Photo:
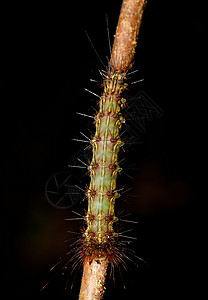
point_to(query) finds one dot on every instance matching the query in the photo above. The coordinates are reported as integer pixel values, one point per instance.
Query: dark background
(47, 62)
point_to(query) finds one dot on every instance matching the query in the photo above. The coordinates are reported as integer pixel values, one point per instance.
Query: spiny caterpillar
(99, 237)
(100, 243)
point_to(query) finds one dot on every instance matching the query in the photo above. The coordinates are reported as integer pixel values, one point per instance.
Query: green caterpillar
(99, 237)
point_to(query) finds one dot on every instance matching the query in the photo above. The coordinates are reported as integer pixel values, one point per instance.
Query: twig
(95, 267)
(126, 34)
(93, 279)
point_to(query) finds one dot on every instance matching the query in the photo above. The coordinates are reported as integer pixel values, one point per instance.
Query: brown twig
(93, 279)
(95, 268)
(127, 31)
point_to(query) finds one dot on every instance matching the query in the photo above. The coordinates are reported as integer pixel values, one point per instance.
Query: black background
(47, 62)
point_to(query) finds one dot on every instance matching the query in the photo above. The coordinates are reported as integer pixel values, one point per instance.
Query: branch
(95, 266)
(93, 279)
(126, 35)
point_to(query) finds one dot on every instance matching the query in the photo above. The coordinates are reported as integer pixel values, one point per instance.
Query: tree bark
(93, 279)
(127, 31)
(95, 268)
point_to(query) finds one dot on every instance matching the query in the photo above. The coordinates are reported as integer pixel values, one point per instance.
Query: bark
(127, 31)
(95, 269)
(93, 279)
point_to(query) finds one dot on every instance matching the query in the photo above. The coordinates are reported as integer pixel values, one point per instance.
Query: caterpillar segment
(99, 236)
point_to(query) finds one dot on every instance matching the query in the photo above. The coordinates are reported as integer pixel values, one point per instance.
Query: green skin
(104, 167)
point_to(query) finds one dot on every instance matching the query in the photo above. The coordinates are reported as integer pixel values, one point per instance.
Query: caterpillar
(99, 237)
(100, 244)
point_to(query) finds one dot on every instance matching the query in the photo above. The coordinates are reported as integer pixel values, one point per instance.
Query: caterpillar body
(100, 243)
(99, 237)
